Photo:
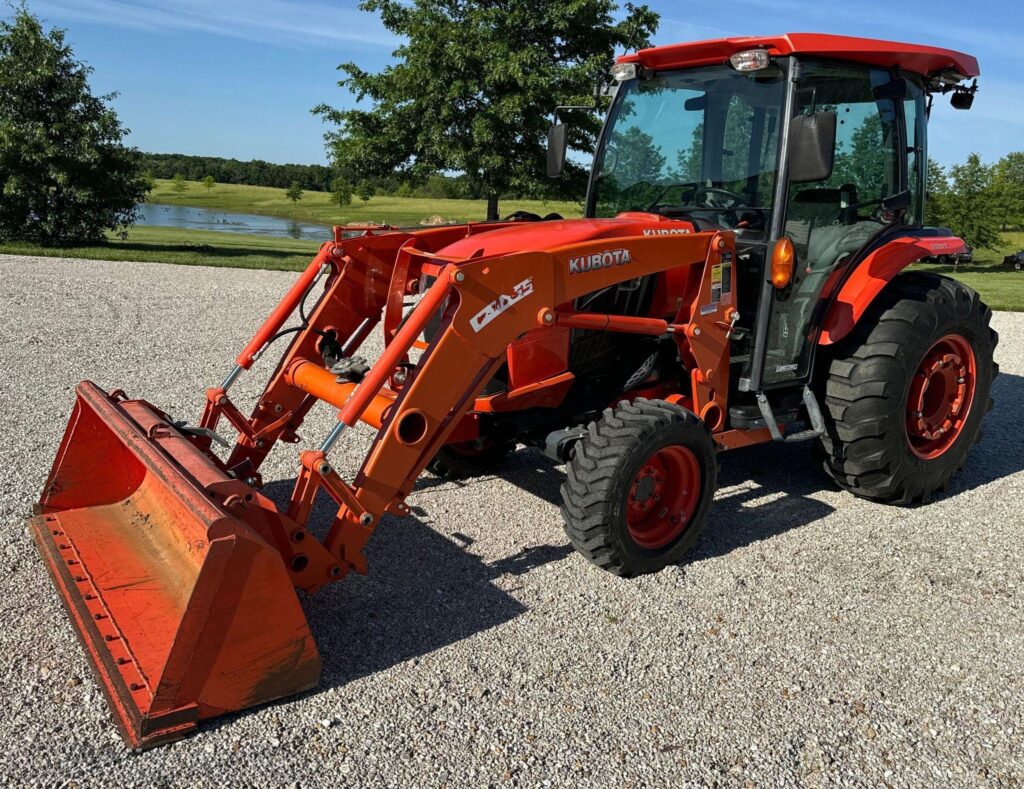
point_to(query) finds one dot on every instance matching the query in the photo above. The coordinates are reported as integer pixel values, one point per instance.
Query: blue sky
(237, 78)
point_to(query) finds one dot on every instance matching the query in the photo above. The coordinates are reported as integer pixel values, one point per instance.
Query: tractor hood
(548, 235)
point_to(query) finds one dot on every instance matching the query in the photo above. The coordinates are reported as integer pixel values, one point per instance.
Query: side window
(917, 155)
(866, 165)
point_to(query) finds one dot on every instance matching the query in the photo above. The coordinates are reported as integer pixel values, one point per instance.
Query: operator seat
(824, 226)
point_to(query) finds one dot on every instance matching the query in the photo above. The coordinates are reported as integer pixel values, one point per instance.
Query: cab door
(833, 216)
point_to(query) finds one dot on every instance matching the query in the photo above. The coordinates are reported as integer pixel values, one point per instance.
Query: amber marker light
(783, 258)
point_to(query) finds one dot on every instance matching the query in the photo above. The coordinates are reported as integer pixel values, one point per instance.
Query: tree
(638, 176)
(178, 185)
(936, 195)
(294, 192)
(972, 202)
(66, 176)
(365, 190)
(341, 191)
(473, 90)
(1008, 181)
(208, 183)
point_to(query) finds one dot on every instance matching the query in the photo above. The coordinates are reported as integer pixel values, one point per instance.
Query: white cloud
(286, 22)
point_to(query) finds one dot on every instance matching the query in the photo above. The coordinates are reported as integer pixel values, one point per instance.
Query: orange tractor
(738, 279)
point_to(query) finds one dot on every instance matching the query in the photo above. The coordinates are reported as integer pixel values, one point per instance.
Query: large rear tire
(638, 490)
(908, 388)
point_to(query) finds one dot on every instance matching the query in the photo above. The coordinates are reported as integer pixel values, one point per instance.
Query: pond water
(192, 218)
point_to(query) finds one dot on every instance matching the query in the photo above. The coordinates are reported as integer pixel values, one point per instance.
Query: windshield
(699, 142)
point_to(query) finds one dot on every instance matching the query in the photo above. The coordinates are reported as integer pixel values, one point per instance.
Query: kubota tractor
(738, 279)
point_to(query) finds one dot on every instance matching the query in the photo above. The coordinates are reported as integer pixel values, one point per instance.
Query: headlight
(623, 71)
(750, 60)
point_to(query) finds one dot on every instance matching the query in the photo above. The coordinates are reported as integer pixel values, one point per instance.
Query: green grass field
(1001, 289)
(189, 248)
(317, 206)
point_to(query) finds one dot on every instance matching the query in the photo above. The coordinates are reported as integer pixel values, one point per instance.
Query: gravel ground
(812, 639)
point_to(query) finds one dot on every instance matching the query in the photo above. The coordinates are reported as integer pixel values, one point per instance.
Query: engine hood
(549, 235)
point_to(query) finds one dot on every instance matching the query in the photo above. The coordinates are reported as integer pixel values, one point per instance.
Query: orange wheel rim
(663, 497)
(940, 397)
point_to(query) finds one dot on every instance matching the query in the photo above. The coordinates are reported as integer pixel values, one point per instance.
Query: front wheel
(908, 389)
(638, 490)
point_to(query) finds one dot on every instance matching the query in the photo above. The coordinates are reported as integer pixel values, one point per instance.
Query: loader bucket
(184, 610)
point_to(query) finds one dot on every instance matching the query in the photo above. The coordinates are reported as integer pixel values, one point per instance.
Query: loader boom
(487, 303)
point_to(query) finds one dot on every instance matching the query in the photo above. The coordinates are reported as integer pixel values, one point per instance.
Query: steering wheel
(699, 196)
(736, 200)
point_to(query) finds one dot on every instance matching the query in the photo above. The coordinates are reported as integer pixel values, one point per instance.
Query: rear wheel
(908, 389)
(638, 490)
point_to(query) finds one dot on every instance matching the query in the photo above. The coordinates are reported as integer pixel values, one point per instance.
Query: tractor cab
(811, 148)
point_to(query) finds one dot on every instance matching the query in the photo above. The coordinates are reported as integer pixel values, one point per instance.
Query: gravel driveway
(812, 638)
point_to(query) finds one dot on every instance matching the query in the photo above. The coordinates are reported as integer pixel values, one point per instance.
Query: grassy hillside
(317, 206)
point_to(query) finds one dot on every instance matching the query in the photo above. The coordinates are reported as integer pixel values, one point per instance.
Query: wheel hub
(663, 497)
(940, 396)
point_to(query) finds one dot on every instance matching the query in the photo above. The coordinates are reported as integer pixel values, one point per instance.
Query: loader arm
(486, 303)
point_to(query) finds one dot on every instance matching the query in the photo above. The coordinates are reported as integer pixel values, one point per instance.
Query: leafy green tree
(341, 191)
(365, 190)
(294, 192)
(937, 195)
(864, 164)
(313, 177)
(972, 202)
(65, 174)
(1008, 180)
(473, 90)
(178, 185)
(208, 183)
(636, 173)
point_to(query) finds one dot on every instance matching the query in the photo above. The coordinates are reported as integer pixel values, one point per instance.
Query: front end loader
(738, 279)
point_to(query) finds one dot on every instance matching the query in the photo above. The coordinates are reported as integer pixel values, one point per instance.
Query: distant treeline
(312, 177)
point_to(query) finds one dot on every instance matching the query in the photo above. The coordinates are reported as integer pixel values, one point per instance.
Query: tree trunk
(492, 207)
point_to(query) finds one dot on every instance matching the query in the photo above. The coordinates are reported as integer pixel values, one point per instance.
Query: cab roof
(914, 58)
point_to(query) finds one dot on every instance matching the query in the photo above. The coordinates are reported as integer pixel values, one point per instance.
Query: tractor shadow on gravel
(769, 489)
(436, 592)
(423, 591)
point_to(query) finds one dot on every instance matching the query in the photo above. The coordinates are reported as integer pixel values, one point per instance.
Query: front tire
(908, 388)
(638, 490)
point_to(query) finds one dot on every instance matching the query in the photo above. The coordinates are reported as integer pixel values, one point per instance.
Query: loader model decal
(500, 304)
(599, 260)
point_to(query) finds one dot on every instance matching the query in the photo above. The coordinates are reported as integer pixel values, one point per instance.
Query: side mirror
(812, 147)
(556, 150)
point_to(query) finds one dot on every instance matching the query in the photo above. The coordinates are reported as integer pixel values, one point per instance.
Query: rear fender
(873, 273)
